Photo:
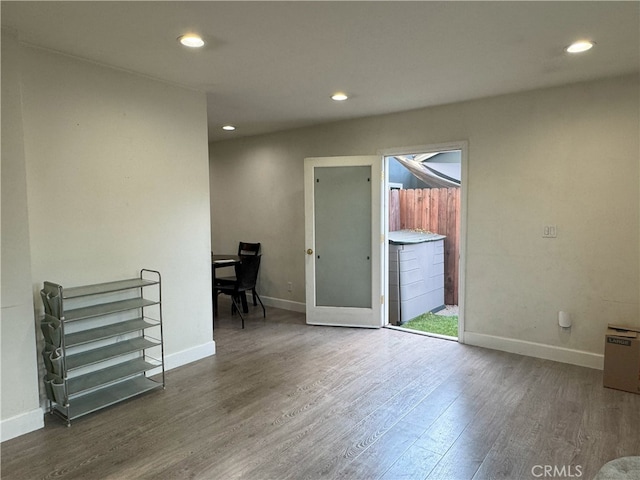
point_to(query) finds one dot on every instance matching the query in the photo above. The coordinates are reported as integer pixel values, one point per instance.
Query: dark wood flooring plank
(378, 458)
(366, 405)
(543, 428)
(470, 448)
(480, 386)
(415, 463)
(377, 424)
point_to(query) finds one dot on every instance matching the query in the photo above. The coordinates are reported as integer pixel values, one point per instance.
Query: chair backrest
(247, 272)
(246, 249)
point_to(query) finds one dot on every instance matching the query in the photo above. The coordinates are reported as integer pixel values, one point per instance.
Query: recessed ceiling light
(339, 97)
(191, 40)
(229, 128)
(580, 46)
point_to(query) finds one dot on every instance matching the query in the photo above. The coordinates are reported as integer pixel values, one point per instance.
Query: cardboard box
(622, 358)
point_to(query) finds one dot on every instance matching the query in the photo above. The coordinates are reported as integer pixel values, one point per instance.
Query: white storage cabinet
(416, 274)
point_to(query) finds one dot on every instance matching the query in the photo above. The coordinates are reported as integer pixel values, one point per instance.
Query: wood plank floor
(283, 400)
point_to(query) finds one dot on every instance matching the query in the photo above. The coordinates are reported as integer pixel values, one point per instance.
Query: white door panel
(343, 234)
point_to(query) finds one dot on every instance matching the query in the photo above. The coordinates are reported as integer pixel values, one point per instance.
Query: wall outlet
(289, 287)
(550, 231)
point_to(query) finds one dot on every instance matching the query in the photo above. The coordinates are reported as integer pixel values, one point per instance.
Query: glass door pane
(342, 212)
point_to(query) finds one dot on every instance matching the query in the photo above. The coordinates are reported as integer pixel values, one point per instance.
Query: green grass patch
(432, 323)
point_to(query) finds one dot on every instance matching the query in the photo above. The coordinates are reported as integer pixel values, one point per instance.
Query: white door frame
(463, 146)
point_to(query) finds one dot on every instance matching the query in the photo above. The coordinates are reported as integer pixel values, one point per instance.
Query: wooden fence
(436, 210)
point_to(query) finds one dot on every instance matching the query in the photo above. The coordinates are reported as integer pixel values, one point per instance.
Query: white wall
(566, 156)
(19, 403)
(117, 180)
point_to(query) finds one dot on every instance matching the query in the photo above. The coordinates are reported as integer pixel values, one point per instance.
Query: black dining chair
(246, 278)
(244, 249)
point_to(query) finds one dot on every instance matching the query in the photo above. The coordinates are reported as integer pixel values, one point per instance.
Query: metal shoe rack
(103, 343)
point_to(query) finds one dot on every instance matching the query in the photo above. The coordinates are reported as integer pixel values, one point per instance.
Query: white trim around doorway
(463, 146)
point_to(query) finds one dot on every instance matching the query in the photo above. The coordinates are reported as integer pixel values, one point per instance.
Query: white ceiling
(270, 66)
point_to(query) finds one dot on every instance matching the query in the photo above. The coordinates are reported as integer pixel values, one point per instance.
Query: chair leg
(264, 312)
(233, 300)
(243, 299)
(255, 294)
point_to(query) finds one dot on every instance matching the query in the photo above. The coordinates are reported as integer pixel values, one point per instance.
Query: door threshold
(426, 334)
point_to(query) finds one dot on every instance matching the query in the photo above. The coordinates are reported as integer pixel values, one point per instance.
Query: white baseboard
(192, 354)
(21, 424)
(538, 350)
(284, 304)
